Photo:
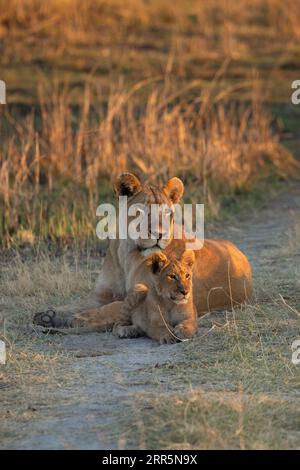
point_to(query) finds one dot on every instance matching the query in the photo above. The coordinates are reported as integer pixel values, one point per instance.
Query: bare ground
(96, 392)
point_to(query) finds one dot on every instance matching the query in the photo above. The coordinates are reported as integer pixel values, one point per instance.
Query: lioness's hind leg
(101, 318)
(64, 317)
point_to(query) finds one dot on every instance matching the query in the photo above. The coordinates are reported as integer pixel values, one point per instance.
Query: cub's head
(150, 210)
(173, 277)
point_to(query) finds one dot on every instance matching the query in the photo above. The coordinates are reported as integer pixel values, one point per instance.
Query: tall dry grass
(167, 116)
(68, 21)
(56, 166)
(137, 37)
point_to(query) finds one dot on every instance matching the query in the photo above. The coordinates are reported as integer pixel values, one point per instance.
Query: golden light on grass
(195, 134)
(192, 88)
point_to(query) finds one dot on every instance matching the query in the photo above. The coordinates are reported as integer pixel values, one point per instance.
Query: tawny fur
(161, 307)
(222, 273)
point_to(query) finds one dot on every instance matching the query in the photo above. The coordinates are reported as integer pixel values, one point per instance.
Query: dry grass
(53, 173)
(291, 245)
(26, 285)
(34, 373)
(117, 35)
(97, 87)
(237, 387)
(223, 420)
(109, 85)
(243, 385)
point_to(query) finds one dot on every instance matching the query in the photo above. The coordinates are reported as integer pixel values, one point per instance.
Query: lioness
(161, 307)
(222, 273)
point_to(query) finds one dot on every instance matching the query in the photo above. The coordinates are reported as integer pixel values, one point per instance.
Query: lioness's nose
(183, 291)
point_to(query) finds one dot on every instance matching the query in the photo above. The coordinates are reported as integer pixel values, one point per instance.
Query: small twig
(211, 329)
(169, 330)
(292, 309)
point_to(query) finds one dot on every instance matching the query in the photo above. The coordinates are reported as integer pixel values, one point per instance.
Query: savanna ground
(201, 91)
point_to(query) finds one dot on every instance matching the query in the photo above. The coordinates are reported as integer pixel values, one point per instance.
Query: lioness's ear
(127, 184)
(174, 189)
(157, 262)
(188, 258)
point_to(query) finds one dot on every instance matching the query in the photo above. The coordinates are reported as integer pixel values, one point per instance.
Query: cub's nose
(183, 291)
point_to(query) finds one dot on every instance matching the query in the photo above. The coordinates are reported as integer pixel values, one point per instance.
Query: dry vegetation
(112, 34)
(237, 387)
(52, 179)
(106, 86)
(198, 90)
(243, 387)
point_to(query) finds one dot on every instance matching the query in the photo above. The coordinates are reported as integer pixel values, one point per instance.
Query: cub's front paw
(125, 331)
(184, 333)
(167, 338)
(46, 319)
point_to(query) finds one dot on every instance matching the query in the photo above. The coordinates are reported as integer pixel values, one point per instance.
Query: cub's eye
(188, 276)
(168, 212)
(172, 276)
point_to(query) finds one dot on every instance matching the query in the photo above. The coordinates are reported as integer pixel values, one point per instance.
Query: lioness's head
(173, 276)
(158, 234)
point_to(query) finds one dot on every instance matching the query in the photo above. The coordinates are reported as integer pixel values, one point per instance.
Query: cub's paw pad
(180, 332)
(125, 331)
(120, 330)
(46, 319)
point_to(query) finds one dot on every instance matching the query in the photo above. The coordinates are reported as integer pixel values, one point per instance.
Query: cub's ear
(174, 189)
(188, 258)
(157, 262)
(127, 184)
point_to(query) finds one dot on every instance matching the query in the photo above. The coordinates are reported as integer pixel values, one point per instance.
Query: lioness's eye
(172, 276)
(188, 276)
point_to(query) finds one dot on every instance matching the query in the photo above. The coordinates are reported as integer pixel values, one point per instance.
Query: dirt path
(91, 410)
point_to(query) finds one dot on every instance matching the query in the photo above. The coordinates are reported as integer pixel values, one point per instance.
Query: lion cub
(162, 308)
(158, 304)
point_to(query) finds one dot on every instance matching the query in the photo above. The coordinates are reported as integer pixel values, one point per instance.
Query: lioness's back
(222, 276)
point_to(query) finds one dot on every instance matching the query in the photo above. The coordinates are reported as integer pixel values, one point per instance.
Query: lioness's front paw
(46, 319)
(52, 319)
